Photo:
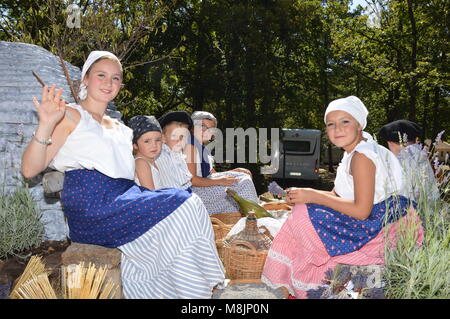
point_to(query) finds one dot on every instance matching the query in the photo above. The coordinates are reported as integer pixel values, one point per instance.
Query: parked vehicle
(299, 154)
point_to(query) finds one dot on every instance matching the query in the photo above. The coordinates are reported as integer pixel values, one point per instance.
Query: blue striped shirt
(173, 169)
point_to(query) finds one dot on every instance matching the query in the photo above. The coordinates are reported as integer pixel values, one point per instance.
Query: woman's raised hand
(52, 108)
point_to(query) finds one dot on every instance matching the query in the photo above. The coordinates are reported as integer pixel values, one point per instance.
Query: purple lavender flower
(276, 189)
(439, 136)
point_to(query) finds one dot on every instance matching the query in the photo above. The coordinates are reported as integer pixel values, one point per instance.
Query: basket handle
(244, 243)
(216, 221)
(266, 232)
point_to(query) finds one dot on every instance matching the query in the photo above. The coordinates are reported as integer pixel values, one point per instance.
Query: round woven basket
(243, 261)
(220, 228)
(276, 206)
(220, 231)
(228, 218)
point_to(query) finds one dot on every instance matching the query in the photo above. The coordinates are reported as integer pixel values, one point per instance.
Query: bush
(422, 272)
(20, 223)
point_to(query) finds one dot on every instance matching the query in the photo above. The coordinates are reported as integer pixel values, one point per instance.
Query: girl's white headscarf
(93, 56)
(353, 106)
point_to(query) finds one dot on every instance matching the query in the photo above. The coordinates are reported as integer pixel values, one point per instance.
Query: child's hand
(226, 181)
(52, 108)
(242, 170)
(298, 195)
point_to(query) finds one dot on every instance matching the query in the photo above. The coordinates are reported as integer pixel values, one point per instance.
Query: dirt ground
(13, 267)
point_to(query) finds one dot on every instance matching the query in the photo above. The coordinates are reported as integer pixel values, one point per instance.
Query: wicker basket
(220, 228)
(243, 263)
(220, 231)
(228, 218)
(277, 206)
(220, 251)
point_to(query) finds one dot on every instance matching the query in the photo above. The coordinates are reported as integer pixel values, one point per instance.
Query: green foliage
(275, 63)
(20, 223)
(422, 272)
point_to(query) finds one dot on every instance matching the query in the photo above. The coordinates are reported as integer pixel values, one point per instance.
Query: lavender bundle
(276, 190)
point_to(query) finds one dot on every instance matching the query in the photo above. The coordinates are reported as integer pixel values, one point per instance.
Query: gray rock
(18, 120)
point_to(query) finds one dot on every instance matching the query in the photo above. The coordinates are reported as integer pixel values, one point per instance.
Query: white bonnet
(352, 105)
(93, 56)
(203, 115)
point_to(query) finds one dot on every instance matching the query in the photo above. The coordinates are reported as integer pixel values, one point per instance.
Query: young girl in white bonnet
(160, 233)
(344, 226)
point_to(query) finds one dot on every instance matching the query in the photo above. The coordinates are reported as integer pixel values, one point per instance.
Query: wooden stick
(38, 78)
(69, 81)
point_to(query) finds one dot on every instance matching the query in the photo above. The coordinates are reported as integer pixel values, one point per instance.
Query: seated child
(346, 225)
(171, 162)
(147, 144)
(207, 183)
(402, 137)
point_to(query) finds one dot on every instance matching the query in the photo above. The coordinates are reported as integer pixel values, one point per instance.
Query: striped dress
(173, 170)
(177, 258)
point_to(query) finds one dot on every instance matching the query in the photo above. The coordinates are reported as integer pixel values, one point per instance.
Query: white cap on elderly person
(352, 105)
(93, 56)
(203, 115)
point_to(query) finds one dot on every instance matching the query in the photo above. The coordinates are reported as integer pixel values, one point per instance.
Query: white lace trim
(280, 257)
(276, 286)
(304, 286)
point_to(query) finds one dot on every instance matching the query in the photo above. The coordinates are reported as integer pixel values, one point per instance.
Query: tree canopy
(266, 63)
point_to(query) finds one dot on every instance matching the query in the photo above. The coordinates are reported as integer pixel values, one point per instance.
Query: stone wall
(18, 120)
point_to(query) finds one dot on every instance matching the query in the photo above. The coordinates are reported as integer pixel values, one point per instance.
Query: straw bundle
(38, 287)
(33, 270)
(77, 282)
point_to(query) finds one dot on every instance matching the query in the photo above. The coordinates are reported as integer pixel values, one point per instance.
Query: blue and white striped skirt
(165, 236)
(176, 258)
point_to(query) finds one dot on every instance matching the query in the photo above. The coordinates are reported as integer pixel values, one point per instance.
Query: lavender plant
(20, 223)
(415, 272)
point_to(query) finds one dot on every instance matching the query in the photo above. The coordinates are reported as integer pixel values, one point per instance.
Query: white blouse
(198, 162)
(93, 146)
(155, 175)
(388, 175)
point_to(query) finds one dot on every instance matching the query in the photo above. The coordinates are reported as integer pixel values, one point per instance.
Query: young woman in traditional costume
(161, 234)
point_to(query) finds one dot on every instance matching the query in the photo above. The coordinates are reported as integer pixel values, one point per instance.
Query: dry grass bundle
(77, 282)
(33, 270)
(38, 287)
